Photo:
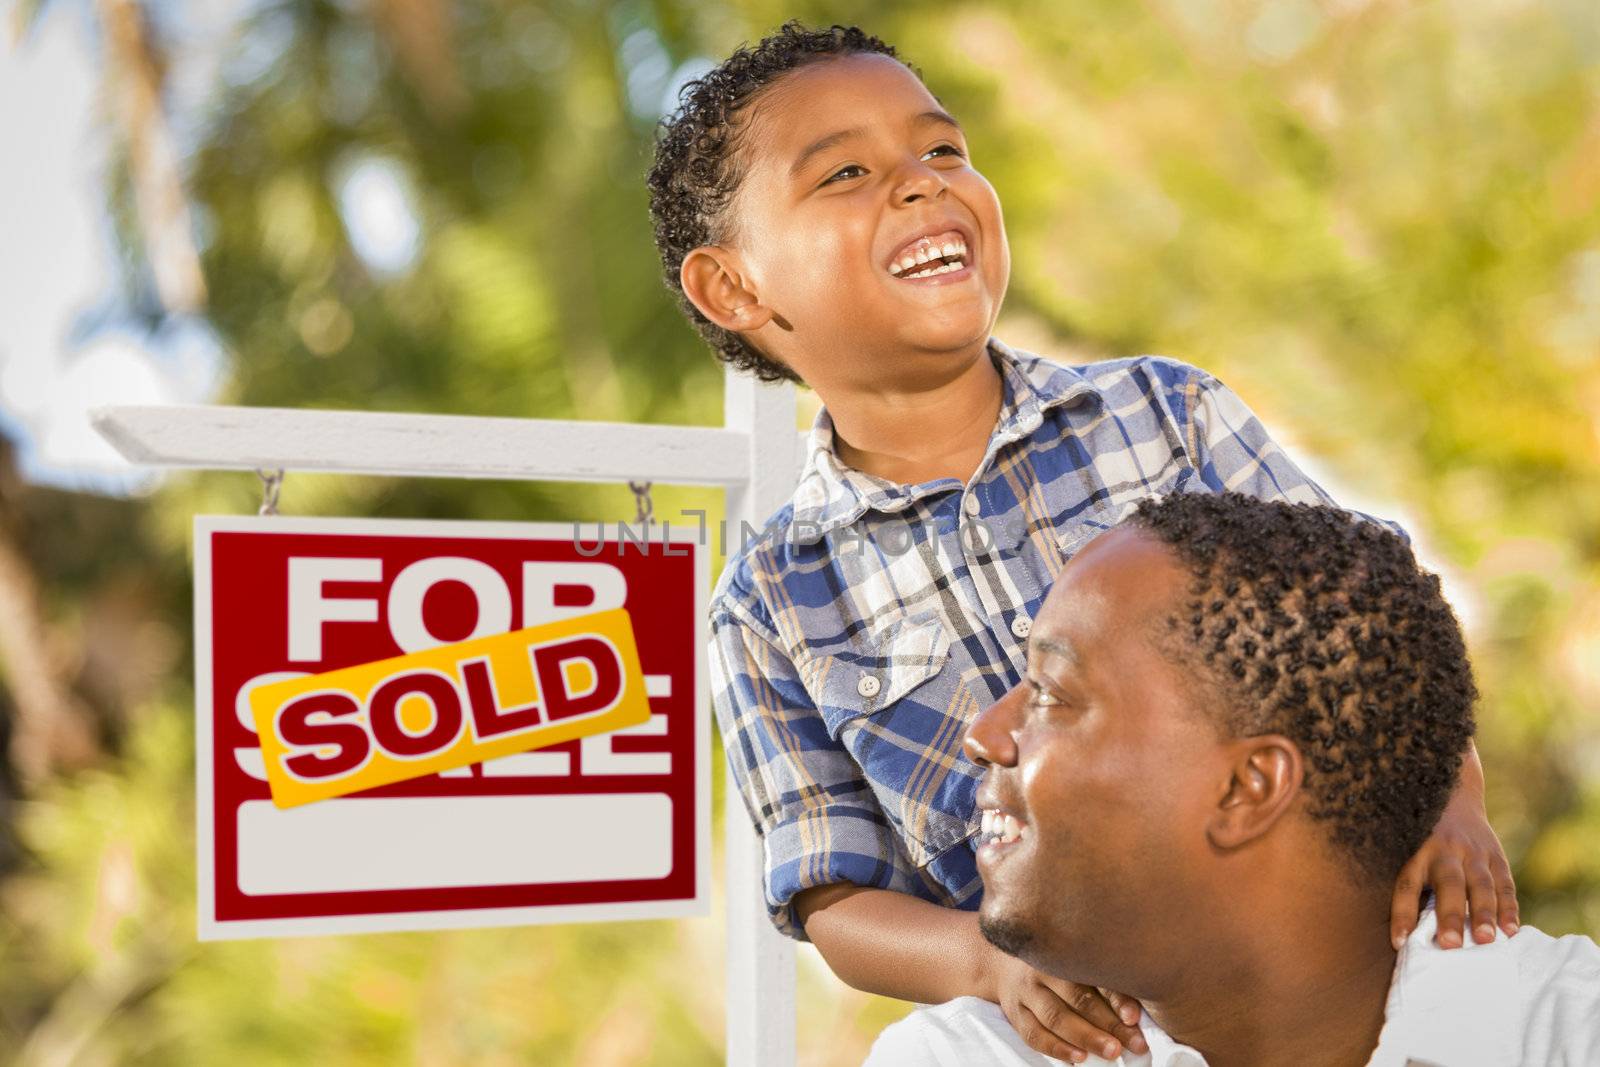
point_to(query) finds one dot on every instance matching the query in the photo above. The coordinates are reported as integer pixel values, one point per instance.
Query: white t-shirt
(1531, 999)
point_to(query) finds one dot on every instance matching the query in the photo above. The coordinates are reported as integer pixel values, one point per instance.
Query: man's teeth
(1005, 827)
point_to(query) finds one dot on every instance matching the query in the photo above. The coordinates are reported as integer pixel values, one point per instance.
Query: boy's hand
(1467, 868)
(1060, 1018)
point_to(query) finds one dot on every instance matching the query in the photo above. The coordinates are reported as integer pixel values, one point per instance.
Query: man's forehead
(1118, 581)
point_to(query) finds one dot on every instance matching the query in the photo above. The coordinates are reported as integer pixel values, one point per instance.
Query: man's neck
(910, 437)
(1312, 997)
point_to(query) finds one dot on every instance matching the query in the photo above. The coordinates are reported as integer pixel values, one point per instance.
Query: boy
(816, 210)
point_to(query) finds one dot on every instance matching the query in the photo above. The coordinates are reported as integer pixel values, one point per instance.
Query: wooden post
(761, 964)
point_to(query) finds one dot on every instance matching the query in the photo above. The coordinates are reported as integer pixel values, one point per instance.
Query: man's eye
(1041, 696)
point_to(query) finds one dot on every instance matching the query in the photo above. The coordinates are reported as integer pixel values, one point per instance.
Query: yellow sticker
(335, 733)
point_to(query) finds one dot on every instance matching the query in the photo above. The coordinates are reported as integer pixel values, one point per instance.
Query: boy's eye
(842, 171)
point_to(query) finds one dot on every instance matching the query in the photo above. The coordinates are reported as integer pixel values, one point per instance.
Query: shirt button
(971, 505)
(1022, 626)
(868, 686)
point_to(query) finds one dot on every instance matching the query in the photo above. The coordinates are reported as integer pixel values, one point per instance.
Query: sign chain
(271, 485)
(641, 496)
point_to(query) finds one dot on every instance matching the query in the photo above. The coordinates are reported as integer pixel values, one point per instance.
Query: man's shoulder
(1560, 979)
(1555, 1011)
(1529, 998)
(971, 1030)
(957, 1033)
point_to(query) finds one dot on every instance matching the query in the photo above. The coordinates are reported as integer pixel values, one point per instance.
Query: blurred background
(1377, 221)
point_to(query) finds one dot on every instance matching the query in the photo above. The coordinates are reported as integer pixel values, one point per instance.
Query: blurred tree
(51, 729)
(1377, 221)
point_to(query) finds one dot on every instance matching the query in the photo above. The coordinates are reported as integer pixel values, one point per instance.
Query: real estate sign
(411, 725)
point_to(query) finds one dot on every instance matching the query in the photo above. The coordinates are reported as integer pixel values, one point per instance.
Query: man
(1238, 720)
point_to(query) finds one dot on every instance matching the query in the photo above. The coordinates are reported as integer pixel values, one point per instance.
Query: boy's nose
(989, 738)
(920, 181)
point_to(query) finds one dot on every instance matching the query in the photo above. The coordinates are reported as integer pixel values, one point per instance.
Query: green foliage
(1376, 222)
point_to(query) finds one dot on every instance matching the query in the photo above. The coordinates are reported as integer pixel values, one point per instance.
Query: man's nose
(989, 738)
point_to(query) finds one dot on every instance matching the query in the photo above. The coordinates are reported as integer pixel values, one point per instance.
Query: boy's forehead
(829, 95)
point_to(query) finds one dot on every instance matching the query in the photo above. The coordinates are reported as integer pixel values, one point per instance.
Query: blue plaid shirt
(855, 639)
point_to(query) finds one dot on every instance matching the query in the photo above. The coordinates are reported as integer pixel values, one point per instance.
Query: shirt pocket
(890, 702)
(884, 666)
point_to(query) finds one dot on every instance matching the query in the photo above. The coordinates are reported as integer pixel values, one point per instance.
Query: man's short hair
(1309, 622)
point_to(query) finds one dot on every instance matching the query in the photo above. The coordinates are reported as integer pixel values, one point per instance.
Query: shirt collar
(831, 494)
(1165, 1051)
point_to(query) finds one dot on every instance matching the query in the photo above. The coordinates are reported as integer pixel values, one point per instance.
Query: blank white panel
(333, 846)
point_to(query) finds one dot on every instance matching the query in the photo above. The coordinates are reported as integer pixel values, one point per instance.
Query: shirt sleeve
(819, 821)
(1233, 453)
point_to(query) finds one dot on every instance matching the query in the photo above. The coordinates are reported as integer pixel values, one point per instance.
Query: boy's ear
(713, 280)
(1264, 777)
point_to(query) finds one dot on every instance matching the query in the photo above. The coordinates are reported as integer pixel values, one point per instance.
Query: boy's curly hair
(697, 170)
(1312, 623)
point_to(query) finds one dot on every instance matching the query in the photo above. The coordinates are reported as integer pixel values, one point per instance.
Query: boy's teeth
(1013, 829)
(931, 271)
(924, 252)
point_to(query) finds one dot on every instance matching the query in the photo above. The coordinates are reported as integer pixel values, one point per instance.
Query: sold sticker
(326, 735)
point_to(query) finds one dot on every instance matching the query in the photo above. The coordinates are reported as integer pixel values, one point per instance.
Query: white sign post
(755, 457)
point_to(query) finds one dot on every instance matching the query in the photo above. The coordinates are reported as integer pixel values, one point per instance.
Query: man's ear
(1264, 778)
(712, 279)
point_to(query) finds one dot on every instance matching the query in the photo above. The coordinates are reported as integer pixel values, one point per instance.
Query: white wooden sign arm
(423, 446)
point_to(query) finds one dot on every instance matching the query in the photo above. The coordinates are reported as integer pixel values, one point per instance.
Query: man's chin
(1005, 934)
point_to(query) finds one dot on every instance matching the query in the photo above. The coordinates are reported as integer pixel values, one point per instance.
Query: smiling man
(1238, 721)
